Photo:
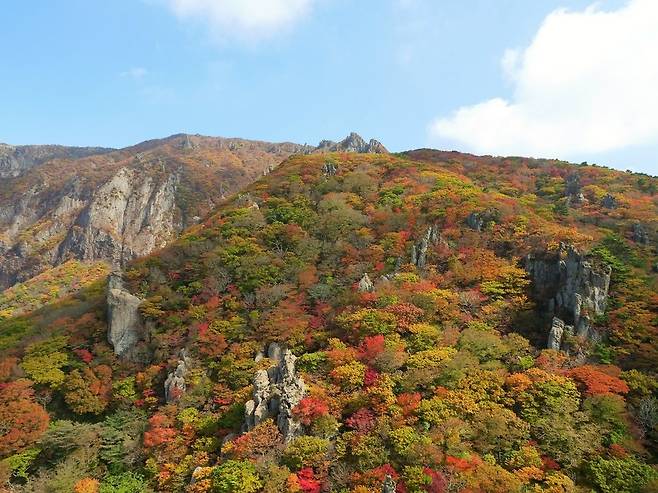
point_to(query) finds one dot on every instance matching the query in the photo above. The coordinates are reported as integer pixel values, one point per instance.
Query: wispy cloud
(244, 20)
(585, 84)
(137, 73)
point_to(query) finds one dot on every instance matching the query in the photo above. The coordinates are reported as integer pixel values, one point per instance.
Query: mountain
(60, 204)
(16, 160)
(419, 322)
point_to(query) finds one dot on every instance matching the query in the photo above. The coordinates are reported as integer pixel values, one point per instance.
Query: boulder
(274, 352)
(389, 486)
(474, 221)
(573, 190)
(329, 168)
(555, 334)
(478, 220)
(291, 391)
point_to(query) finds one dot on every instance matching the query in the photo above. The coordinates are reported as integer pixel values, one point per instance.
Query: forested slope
(359, 323)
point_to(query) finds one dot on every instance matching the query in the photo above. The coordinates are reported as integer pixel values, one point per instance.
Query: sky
(567, 79)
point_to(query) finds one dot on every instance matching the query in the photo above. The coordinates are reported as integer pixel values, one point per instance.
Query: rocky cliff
(125, 326)
(571, 288)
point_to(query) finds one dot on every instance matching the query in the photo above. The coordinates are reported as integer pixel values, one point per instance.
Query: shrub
(235, 476)
(349, 376)
(312, 362)
(305, 451)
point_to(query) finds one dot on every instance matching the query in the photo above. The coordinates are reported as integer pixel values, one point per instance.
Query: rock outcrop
(573, 190)
(352, 143)
(365, 284)
(478, 220)
(556, 333)
(129, 216)
(125, 325)
(276, 392)
(570, 286)
(175, 384)
(431, 237)
(329, 168)
(389, 485)
(609, 202)
(640, 234)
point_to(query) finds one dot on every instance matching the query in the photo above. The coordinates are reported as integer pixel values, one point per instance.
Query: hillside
(119, 205)
(59, 204)
(422, 322)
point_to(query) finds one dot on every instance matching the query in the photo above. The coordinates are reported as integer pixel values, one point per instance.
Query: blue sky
(463, 75)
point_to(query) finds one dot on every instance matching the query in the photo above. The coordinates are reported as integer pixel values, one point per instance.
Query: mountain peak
(352, 143)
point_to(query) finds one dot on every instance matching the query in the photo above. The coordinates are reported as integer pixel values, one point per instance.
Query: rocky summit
(352, 143)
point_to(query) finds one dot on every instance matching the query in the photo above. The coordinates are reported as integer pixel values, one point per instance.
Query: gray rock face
(329, 169)
(246, 200)
(352, 143)
(365, 284)
(570, 286)
(15, 160)
(276, 393)
(474, 221)
(609, 202)
(389, 486)
(175, 385)
(555, 334)
(573, 190)
(129, 216)
(125, 326)
(640, 234)
(478, 220)
(291, 391)
(419, 250)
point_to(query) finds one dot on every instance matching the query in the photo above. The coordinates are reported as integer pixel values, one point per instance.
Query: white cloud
(246, 20)
(587, 83)
(136, 73)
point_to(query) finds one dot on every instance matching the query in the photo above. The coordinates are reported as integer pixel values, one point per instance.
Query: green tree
(627, 475)
(43, 361)
(235, 476)
(127, 482)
